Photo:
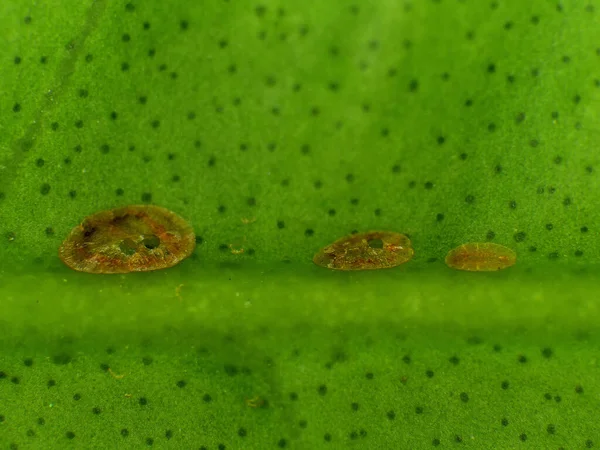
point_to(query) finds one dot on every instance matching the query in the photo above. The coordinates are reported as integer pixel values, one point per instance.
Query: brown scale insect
(135, 238)
(366, 251)
(481, 257)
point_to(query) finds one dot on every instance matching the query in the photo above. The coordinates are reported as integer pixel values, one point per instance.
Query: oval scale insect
(481, 257)
(366, 251)
(135, 238)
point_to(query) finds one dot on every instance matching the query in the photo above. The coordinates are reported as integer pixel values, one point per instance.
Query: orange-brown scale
(96, 245)
(481, 257)
(355, 252)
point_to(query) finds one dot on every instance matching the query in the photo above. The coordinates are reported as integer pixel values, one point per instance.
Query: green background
(278, 128)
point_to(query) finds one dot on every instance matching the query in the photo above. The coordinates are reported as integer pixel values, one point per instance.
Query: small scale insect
(248, 221)
(481, 257)
(255, 402)
(114, 375)
(236, 251)
(178, 291)
(366, 251)
(134, 238)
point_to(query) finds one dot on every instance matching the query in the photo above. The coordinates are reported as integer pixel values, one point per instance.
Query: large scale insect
(135, 238)
(366, 251)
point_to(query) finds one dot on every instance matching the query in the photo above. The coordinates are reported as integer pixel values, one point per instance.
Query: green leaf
(275, 129)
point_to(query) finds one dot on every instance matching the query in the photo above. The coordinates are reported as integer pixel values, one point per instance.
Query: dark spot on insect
(406, 359)
(51, 383)
(419, 410)
(331, 212)
(567, 201)
(549, 226)
(578, 253)
(354, 201)
(375, 243)
(464, 397)
(504, 422)
(454, 360)
(553, 255)
(428, 185)
(77, 397)
(520, 117)
(441, 140)
(70, 435)
(412, 184)
(322, 390)
(522, 359)
(558, 160)
(439, 217)
(143, 401)
(504, 385)
(45, 189)
(309, 232)
(512, 204)
(491, 68)
(498, 168)
(429, 373)
(469, 199)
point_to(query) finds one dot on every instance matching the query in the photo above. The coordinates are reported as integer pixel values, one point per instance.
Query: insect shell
(135, 238)
(366, 251)
(481, 257)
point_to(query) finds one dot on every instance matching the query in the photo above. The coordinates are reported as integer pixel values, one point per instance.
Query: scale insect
(481, 257)
(366, 251)
(135, 238)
